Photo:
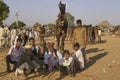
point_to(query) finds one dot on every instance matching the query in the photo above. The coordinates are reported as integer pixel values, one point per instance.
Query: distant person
(14, 54)
(5, 38)
(96, 34)
(9, 37)
(1, 35)
(93, 35)
(31, 34)
(36, 35)
(67, 65)
(13, 36)
(22, 36)
(99, 35)
(79, 36)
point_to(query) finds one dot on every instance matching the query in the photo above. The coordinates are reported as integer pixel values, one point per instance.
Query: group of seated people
(29, 58)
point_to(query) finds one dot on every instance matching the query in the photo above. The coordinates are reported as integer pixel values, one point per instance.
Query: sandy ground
(103, 63)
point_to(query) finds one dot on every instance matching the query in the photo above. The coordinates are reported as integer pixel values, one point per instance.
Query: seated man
(52, 57)
(35, 49)
(27, 62)
(78, 56)
(67, 65)
(14, 55)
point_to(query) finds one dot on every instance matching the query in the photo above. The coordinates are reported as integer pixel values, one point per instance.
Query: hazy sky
(46, 11)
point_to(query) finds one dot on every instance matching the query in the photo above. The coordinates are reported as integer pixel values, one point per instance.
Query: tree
(21, 24)
(51, 25)
(4, 11)
(37, 24)
(70, 19)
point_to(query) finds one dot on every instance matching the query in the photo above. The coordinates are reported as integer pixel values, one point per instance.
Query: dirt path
(103, 63)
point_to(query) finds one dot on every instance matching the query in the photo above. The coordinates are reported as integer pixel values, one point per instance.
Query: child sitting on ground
(78, 56)
(68, 64)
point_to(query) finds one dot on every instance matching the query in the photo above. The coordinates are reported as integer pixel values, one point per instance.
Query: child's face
(75, 48)
(66, 56)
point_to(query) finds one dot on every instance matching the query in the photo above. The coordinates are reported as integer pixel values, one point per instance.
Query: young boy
(68, 64)
(78, 56)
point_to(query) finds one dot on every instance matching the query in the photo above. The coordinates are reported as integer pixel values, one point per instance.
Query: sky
(46, 11)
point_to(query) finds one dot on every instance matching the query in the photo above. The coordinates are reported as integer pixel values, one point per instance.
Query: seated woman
(52, 57)
(27, 62)
(78, 56)
(67, 65)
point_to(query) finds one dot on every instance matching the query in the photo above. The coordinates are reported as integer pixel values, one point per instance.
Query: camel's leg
(62, 42)
(58, 41)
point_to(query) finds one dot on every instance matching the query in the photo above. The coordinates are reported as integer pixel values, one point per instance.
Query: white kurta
(31, 34)
(99, 33)
(13, 36)
(79, 56)
(67, 62)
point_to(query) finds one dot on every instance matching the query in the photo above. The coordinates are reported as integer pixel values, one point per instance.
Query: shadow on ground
(93, 50)
(41, 73)
(103, 41)
(3, 73)
(92, 60)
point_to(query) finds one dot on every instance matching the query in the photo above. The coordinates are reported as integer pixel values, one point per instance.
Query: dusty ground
(103, 63)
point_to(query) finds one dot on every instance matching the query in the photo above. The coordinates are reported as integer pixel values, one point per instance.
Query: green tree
(21, 24)
(37, 24)
(70, 19)
(51, 25)
(4, 11)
